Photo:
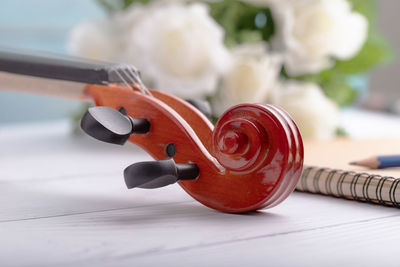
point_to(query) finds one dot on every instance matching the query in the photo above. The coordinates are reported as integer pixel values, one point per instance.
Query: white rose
(312, 32)
(125, 20)
(251, 78)
(95, 40)
(315, 114)
(180, 47)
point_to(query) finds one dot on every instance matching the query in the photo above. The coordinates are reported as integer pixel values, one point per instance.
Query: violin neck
(56, 75)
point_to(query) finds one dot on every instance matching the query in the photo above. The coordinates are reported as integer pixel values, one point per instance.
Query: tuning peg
(112, 126)
(154, 174)
(203, 106)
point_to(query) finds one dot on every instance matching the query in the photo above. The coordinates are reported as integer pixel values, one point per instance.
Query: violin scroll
(250, 160)
(261, 151)
(240, 140)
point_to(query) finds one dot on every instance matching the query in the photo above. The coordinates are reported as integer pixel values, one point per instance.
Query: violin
(251, 159)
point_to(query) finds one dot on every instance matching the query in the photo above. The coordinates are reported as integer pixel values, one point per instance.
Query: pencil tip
(353, 163)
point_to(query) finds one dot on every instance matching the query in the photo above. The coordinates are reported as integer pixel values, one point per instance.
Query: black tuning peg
(154, 174)
(112, 126)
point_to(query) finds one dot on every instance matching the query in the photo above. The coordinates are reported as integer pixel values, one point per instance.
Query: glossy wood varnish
(252, 159)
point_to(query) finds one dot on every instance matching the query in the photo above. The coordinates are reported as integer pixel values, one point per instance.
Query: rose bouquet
(303, 55)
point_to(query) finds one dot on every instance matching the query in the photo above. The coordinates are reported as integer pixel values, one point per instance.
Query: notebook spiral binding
(363, 187)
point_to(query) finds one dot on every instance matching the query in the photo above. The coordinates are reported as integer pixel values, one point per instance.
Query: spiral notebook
(327, 171)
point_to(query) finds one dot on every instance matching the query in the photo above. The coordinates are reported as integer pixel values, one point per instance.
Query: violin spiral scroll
(261, 150)
(251, 159)
(240, 142)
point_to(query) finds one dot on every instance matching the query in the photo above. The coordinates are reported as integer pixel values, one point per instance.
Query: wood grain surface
(64, 203)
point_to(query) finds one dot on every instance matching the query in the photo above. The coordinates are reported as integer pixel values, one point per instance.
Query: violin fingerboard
(67, 68)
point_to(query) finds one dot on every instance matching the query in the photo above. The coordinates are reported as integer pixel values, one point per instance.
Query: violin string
(131, 77)
(123, 72)
(115, 69)
(130, 74)
(136, 76)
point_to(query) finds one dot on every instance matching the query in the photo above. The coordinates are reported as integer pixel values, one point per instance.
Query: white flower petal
(313, 32)
(180, 48)
(251, 78)
(95, 40)
(352, 36)
(315, 114)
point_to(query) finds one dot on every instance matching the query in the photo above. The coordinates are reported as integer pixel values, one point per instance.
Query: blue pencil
(379, 162)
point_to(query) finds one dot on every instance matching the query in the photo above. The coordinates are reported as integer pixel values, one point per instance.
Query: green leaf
(334, 84)
(375, 51)
(249, 36)
(242, 22)
(366, 8)
(127, 3)
(340, 92)
(112, 6)
(340, 131)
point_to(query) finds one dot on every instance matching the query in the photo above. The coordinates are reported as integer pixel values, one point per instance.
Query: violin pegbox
(251, 159)
(115, 127)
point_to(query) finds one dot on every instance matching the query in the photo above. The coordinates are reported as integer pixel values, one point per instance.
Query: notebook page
(338, 153)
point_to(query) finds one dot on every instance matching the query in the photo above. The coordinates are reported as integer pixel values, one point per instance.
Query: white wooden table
(63, 202)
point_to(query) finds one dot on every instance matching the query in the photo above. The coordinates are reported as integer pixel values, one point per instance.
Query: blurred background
(42, 25)
(46, 25)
